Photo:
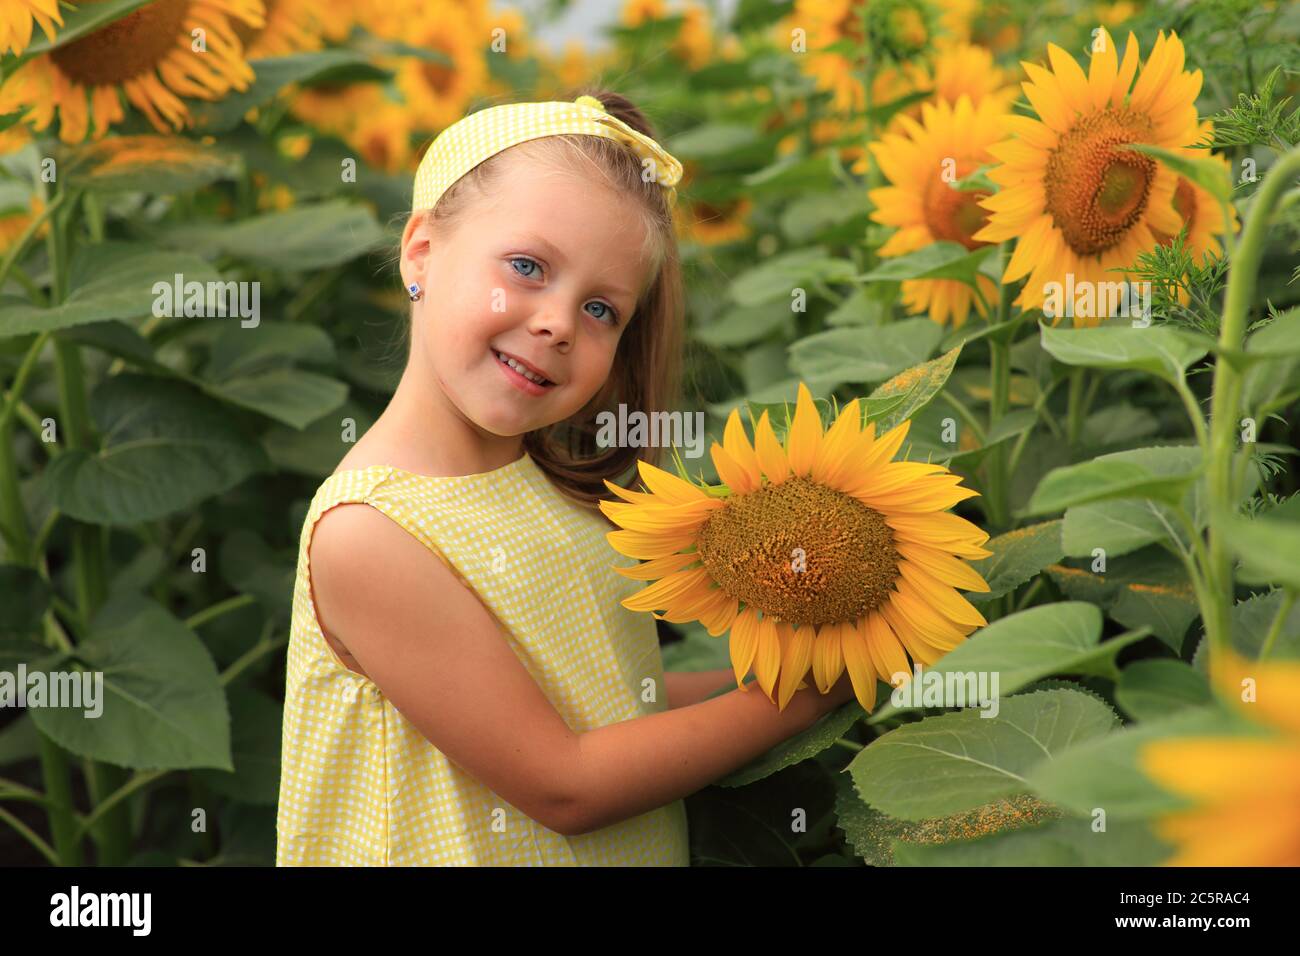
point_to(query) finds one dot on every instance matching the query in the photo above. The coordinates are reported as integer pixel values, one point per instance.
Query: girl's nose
(554, 322)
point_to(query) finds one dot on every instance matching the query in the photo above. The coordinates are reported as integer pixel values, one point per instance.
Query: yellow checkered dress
(360, 786)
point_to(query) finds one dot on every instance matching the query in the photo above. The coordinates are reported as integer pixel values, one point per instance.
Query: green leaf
(166, 448)
(315, 450)
(1268, 545)
(82, 20)
(151, 164)
(1121, 526)
(240, 351)
(713, 141)
(1251, 621)
(1209, 176)
(1106, 773)
(26, 598)
(801, 746)
(1158, 349)
(308, 237)
(1066, 842)
(775, 279)
(163, 706)
(1151, 689)
(898, 399)
(1105, 478)
(875, 836)
(288, 395)
(745, 324)
(1017, 556)
(1275, 350)
(808, 216)
(865, 355)
(275, 73)
(1060, 638)
(955, 762)
(109, 280)
(255, 725)
(939, 260)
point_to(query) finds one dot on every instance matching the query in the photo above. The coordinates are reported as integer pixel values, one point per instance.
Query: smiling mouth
(516, 367)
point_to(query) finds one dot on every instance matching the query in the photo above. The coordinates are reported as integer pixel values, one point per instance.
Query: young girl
(463, 685)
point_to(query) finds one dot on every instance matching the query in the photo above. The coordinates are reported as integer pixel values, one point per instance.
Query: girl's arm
(435, 652)
(683, 688)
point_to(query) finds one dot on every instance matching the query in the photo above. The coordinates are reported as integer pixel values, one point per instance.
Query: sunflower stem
(1226, 399)
(1075, 406)
(1279, 619)
(999, 396)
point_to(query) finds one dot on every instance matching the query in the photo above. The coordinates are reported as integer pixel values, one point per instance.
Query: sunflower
(437, 93)
(1200, 212)
(922, 164)
(18, 18)
(149, 55)
(636, 12)
(1077, 202)
(694, 42)
(1245, 790)
(842, 557)
(292, 26)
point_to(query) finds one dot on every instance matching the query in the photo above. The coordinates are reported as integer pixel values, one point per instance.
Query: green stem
(1227, 398)
(25, 832)
(1193, 410)
(1075, 407)
(196, 621)
(999, 399)
(58, 790)
(1278, 620)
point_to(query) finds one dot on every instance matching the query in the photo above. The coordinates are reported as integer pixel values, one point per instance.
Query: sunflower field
(994, 315)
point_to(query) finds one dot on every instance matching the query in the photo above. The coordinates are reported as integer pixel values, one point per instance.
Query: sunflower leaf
(1104, 479)
(1151, 689)
(939, 260)
(1159, 350)
(1060, 638)
(956, 762)
(1268, 546)
(856, 354)
(1017, 556)
(802, 746)
(1209, 176)
(1069, 841)
(909, 391)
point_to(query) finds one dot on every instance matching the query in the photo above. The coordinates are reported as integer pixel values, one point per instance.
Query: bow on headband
(481, 135)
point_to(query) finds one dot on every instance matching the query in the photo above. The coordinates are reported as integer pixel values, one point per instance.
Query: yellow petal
(795, 660)
(771, 455)
(805, 435)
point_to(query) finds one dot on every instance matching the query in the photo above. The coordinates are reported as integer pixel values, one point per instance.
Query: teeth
(521, 370)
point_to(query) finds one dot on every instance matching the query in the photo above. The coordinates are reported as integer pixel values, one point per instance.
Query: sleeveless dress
(361, 786)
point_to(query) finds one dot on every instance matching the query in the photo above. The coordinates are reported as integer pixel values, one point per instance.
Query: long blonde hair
(646, 374)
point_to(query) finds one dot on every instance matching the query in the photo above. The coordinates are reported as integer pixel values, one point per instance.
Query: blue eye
(522, 259)
(610, 316)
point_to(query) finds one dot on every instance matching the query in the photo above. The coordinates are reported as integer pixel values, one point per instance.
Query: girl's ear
(415, 248)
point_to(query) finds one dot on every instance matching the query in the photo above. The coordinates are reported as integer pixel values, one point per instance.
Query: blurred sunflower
(847, 555)
(15, 220)
(292, 26)
(1200, 212)
(1245, 790)
(693, 44)
(901, 29)
(19, 17)
(1074, 201)
(436, 93)
(633, 13)
(149, 55)
(922, 166)
(363, 116)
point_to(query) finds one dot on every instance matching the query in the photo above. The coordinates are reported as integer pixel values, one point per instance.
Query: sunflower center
(125, 48)
(439, 77)
(953, 214)
(801, 552)
(1095, 191)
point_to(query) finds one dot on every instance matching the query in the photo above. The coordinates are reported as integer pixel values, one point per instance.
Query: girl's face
(545, 271)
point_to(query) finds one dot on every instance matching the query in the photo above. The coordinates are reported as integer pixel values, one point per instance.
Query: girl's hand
(841, 692)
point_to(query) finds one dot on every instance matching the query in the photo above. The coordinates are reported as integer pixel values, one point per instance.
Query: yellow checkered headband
(478, 136)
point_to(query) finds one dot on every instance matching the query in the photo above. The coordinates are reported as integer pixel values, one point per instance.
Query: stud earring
(414, 291)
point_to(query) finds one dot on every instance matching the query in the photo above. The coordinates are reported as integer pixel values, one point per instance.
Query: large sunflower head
(922, 162)
(156, 55)
(1244, 791)
(438, 93)
(1078, 202)
(823, 552)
